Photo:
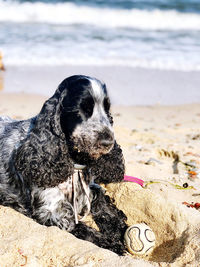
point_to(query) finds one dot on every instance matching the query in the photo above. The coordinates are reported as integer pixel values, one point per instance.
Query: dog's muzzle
(106, 139)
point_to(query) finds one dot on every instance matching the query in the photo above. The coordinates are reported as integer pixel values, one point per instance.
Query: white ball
(139, 239)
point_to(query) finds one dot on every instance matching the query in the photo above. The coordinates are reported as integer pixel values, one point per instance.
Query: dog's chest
(77, 192)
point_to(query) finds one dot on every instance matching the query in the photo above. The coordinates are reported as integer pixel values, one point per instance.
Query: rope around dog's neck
(76, 177)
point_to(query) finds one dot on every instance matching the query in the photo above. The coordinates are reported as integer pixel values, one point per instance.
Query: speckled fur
(38, 155)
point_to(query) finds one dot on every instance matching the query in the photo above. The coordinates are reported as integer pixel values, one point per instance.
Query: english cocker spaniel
(51, 164)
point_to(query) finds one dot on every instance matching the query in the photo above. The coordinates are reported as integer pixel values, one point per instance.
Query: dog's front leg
(100, 239)
(109, 219)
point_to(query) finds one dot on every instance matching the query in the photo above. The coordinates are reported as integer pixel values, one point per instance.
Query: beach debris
(196, 137)
(176, 186)
(133, 131)
(193, 174)
(133, 179)
(193, 136)
(138, 147)
(22, 254)
(192, 154)
(191, 166)
(192, 205)
(192, 171)
(174, 156)
(141, 161)
(152, 161)
(185, 185)
(169, 154)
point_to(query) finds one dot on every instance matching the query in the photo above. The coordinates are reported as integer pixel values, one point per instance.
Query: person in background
(1, 62)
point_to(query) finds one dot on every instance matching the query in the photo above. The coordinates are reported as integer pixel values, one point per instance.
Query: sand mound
(23, 242)
(175, 226)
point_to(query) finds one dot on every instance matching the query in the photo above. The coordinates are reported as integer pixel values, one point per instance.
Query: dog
(51, 165)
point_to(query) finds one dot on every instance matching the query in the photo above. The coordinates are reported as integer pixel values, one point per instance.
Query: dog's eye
(87, 106)
(106, 104)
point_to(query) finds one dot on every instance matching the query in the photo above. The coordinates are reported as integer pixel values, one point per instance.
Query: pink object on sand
(133, 179)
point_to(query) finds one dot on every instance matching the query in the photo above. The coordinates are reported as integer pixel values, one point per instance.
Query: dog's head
(85, 116)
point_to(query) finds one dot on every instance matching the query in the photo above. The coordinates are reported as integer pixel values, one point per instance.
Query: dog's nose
(106, 138)
(106, 143)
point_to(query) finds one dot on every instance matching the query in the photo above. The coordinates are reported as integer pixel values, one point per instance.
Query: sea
(155, 34)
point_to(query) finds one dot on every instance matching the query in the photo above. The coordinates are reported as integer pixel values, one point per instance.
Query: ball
(139, 239)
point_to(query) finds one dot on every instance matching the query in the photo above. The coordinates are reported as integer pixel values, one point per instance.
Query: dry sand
(161, 145)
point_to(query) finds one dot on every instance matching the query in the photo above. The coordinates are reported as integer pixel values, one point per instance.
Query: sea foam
(69, 13)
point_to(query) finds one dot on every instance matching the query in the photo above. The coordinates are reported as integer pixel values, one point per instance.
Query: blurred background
(115, 38)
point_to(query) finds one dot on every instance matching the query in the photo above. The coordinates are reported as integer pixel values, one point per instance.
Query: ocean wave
(69, 13)
(50, 60)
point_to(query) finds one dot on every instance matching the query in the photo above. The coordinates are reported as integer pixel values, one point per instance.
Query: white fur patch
(99, 114)
(52, 197)
(97, 91)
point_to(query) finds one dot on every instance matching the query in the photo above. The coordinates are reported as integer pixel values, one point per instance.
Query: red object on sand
(134, 180)
(196, 205)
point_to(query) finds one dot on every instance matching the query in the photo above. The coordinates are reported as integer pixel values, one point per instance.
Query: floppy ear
(43, 157)
(109, 168)
(49, 116)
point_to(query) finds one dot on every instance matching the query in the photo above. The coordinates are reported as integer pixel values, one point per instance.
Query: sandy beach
(159, 132)
(127, 86)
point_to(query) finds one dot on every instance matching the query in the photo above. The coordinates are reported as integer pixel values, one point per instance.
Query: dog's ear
(49, 116)
(109, 168)
(43, 157)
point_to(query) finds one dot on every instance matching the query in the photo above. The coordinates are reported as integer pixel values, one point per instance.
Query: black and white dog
(50, 164)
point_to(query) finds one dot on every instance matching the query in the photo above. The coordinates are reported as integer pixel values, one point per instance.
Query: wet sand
(127, 86)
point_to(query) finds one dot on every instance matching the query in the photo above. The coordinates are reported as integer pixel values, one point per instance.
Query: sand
(127, 86)
(161, 146)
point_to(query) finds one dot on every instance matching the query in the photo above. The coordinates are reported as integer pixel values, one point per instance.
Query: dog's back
(12, 133)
